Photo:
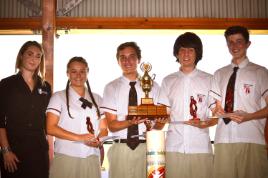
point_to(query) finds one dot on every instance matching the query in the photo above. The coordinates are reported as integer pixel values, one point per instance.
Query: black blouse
(22, 111)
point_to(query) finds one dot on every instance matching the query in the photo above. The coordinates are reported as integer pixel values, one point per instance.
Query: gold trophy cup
(147, 109)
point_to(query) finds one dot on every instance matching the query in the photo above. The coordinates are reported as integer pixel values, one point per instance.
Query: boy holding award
(127, 156)
(239, 90)
(185, 92)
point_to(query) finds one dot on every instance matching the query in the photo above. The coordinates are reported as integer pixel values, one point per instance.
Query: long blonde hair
(41, 70)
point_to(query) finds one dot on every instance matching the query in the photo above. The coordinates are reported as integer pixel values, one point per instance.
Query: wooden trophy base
(147, 109)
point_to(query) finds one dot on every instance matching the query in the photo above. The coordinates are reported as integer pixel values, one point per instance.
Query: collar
(126, 80)
(75, 95)
(243, 64)
(38, 86)
(191, 74)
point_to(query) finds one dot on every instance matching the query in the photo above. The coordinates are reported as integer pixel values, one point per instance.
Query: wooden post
(48, 32)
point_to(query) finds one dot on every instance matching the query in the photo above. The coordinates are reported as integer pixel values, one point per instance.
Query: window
(98, 47)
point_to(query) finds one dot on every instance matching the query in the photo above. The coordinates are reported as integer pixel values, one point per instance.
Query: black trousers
(32, 165)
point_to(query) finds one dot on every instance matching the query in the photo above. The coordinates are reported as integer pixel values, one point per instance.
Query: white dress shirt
(251, 88)
(176, 91)
(115, 101)
(77, 124)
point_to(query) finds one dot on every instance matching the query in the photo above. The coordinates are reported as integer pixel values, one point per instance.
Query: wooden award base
(147, 109)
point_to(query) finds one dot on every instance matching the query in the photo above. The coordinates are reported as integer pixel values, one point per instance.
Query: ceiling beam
(134, 23)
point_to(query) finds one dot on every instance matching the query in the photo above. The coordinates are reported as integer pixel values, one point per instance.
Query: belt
(125, 141)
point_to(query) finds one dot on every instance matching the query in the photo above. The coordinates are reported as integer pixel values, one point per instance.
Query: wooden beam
(48, 33)
(20, 23)
(136, 23)
(158, 23)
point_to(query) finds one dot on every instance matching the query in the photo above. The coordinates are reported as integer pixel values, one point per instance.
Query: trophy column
(155, 154)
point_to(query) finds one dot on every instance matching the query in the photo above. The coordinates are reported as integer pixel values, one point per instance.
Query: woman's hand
(10, 161)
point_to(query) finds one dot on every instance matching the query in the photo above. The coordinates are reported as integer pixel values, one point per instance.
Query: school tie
(133, 129)
(85, 103)
(229, 98)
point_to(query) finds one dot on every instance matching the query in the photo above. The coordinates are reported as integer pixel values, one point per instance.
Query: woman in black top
(23, 101)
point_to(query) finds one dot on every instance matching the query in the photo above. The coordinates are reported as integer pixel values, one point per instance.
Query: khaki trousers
(240, 160)
(180, 165)
(127, 163)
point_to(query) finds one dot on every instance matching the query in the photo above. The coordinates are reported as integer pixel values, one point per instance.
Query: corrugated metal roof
(144, 8)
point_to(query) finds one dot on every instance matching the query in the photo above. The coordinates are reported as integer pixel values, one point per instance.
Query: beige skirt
(64, 166)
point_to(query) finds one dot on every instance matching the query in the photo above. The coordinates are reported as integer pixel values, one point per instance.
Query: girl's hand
(86, 137)
(95, 142)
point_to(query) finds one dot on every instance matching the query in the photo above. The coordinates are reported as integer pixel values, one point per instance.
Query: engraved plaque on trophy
(147, 109)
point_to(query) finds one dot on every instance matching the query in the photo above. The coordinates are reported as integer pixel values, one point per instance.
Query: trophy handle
(153, 76)
(141, 66)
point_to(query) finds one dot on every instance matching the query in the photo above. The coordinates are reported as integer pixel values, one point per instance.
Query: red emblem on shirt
(247, 88)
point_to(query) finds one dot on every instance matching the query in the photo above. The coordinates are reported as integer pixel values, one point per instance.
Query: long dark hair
(83, 61)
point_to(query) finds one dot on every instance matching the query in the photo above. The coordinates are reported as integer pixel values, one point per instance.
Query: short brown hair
(129, 44)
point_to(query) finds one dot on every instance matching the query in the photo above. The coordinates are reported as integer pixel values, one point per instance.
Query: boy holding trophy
(127, 156)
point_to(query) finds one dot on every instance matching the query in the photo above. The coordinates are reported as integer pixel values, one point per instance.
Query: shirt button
(32, 106)
(30, 124)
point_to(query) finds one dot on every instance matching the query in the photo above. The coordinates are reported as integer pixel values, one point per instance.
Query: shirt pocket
(247, 89)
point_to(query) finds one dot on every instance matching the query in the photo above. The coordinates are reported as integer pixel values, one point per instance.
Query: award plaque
(147, 109)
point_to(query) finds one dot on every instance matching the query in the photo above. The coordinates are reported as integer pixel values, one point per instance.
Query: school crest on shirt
(247, 88)
(200, 98)
(42, 92)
